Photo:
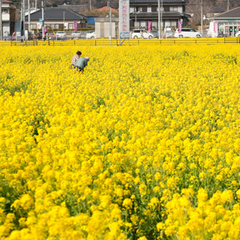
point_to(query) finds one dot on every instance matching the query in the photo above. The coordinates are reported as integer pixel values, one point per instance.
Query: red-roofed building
(106, 9)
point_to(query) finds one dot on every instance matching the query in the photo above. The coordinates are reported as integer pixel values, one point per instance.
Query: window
(166, 9)
(144, 9)
(70, 26)
(176, 9)
(33, 26)
(143, 24)
(4, 10)
(56, 26)
(131, 9)
(149, 9)
(161, 9)
(154, 9)
(173, 9)
(138, 9)
(154, 24)
(173, 23)
(167, 23)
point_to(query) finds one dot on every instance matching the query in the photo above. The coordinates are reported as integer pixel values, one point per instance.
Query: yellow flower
(127, 203)
(202, 195)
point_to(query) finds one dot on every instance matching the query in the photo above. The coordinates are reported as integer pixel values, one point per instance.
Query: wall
(102, 27)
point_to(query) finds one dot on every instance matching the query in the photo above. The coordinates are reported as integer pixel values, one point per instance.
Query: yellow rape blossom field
(144, 145)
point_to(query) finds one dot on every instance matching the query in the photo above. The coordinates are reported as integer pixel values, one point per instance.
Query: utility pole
(90, 3)
(228, 5)
(110, 22)
(159, 19)
(43, 14)
(1, 25)
(161, 13)
(29, 21)
(23, 15)
(63, 20)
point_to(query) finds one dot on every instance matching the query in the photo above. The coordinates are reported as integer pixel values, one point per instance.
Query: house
(106, 9)
(57, 19)
(227, 23)
(8, 17)
(143, 11)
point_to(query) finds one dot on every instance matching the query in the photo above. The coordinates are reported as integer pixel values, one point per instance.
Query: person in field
(75, 58)
(81, 63)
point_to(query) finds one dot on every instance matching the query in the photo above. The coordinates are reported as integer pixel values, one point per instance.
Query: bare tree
(224, 3)
(194, 9)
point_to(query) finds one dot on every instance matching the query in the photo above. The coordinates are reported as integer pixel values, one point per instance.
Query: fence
(126, 42)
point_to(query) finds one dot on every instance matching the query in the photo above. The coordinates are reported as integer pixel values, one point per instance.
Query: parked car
(141, 33)
(187, 33)
(75, 35)
(168, 33)
(13, 38)
(61, 35)
(90, 35)
(237, 34)
(154, 33)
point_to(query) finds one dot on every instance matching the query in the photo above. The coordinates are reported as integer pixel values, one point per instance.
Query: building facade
(57, 18)
(227, 23)
(8, 17)
(105, 29)
(144, 11)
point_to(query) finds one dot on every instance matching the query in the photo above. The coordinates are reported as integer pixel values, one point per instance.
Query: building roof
(9, 2)
(217, 10)
(148, 15)
(106, 8)
(57, 14)
(76, 8)
(6, 1)
(233, 13)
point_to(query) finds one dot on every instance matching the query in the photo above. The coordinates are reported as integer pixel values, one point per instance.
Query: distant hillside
(114, 3)
(55, 3)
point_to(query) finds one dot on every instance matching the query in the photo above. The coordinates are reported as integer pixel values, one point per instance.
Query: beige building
(102, 27)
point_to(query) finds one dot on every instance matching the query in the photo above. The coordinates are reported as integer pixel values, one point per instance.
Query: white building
(227, 23)
(102, 27)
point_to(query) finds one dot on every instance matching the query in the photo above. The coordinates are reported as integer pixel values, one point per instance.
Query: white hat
(87, 58)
